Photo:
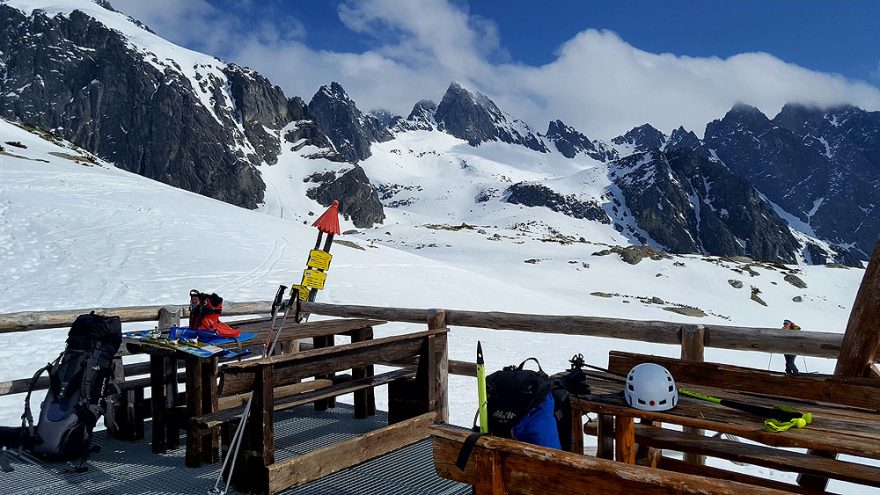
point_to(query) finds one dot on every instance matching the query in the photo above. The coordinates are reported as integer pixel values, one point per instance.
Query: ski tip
(479, 353)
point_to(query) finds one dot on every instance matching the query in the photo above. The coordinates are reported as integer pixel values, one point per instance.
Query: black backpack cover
(80, 390)
(514, 391)
(511, 393)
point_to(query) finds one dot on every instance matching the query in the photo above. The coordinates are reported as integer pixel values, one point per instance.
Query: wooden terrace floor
(131, 468)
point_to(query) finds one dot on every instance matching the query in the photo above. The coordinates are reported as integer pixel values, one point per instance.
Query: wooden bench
(499, 466)
(853, 427)
(170, 409)
(257, 470)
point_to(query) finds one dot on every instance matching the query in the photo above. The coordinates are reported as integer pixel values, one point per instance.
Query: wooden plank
(240, 400)
(303, 398)
(722, 474)
(306, 330)
(821, 344)
(692, 349)
(532, 470)
(624, 439)
(860, 437)
(783, 460)
(327, 460)
(861, 393)
(238, 377)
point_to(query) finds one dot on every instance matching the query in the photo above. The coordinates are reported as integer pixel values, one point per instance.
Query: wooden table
(836, 429)
(170, 411)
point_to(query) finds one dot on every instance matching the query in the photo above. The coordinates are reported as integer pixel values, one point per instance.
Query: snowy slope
(77, 234)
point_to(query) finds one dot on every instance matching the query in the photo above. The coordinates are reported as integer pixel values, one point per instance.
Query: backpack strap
(27, 418)
(466, 448)
(522, 364)
(88, 380)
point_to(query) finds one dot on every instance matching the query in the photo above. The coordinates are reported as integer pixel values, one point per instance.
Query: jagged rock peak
(747, 114)
(334, 90)
(639, 139)
(385, 117)
(420, 118)
(339, 118)
(472, 116)
(568, 140)
(106, 5)
(682, 138)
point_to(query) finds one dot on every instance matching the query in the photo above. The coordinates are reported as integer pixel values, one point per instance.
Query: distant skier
(790, 367)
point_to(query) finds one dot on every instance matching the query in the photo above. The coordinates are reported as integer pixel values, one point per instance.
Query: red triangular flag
(328, 223)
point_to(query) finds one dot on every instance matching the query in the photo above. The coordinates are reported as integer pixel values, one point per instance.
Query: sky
(601, 66)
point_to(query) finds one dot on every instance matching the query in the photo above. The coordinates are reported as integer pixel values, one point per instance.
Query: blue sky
(600, 65)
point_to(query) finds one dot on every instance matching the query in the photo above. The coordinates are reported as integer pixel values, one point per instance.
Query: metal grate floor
(131, 468)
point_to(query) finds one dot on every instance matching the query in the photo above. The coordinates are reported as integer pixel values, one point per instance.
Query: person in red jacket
(790, 367)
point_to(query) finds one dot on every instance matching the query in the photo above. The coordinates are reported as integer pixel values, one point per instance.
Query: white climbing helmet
(650, 387)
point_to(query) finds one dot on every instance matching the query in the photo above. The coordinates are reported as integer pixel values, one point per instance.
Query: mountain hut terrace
(298, 440)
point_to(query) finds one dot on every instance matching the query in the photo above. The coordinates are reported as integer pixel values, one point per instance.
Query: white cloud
(598, 82)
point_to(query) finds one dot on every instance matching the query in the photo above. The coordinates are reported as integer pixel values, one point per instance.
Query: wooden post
(862, 331)
(438, 367)
(364, 400)
(625, 439)
(605, 436)
(320, 342)
(172, 424)
(258, 443)
(210, 404)
(491, 479)
(859, 344)
(692, 348)
(157, 400)
(169, 316)
(577, 428)
(201, 399)
(194, 408)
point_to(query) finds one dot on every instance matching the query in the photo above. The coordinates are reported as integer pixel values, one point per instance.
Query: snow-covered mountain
(823, 166)
(105, 82)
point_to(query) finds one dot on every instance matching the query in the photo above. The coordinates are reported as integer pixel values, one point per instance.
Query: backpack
(520, 405)
(528, 405)
(204, 314)
(80, 390)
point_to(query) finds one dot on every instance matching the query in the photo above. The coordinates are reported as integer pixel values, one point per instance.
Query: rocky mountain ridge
(108, 84)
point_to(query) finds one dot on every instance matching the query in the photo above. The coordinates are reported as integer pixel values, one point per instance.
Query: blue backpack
(521, 405)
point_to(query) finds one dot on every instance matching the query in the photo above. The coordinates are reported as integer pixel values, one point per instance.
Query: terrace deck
(131, 467)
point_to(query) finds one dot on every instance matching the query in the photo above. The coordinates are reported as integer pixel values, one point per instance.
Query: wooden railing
(819, 344)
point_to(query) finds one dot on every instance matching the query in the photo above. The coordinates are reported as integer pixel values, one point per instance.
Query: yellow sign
(319, 260)
(314, 279)
(301, 291)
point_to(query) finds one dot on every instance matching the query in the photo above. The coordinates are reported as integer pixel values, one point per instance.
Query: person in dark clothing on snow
(790, 367)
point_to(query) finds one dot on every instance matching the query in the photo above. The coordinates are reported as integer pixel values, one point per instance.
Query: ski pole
(481, 390)
(770, 362)
(276, 303)
(776, 419)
